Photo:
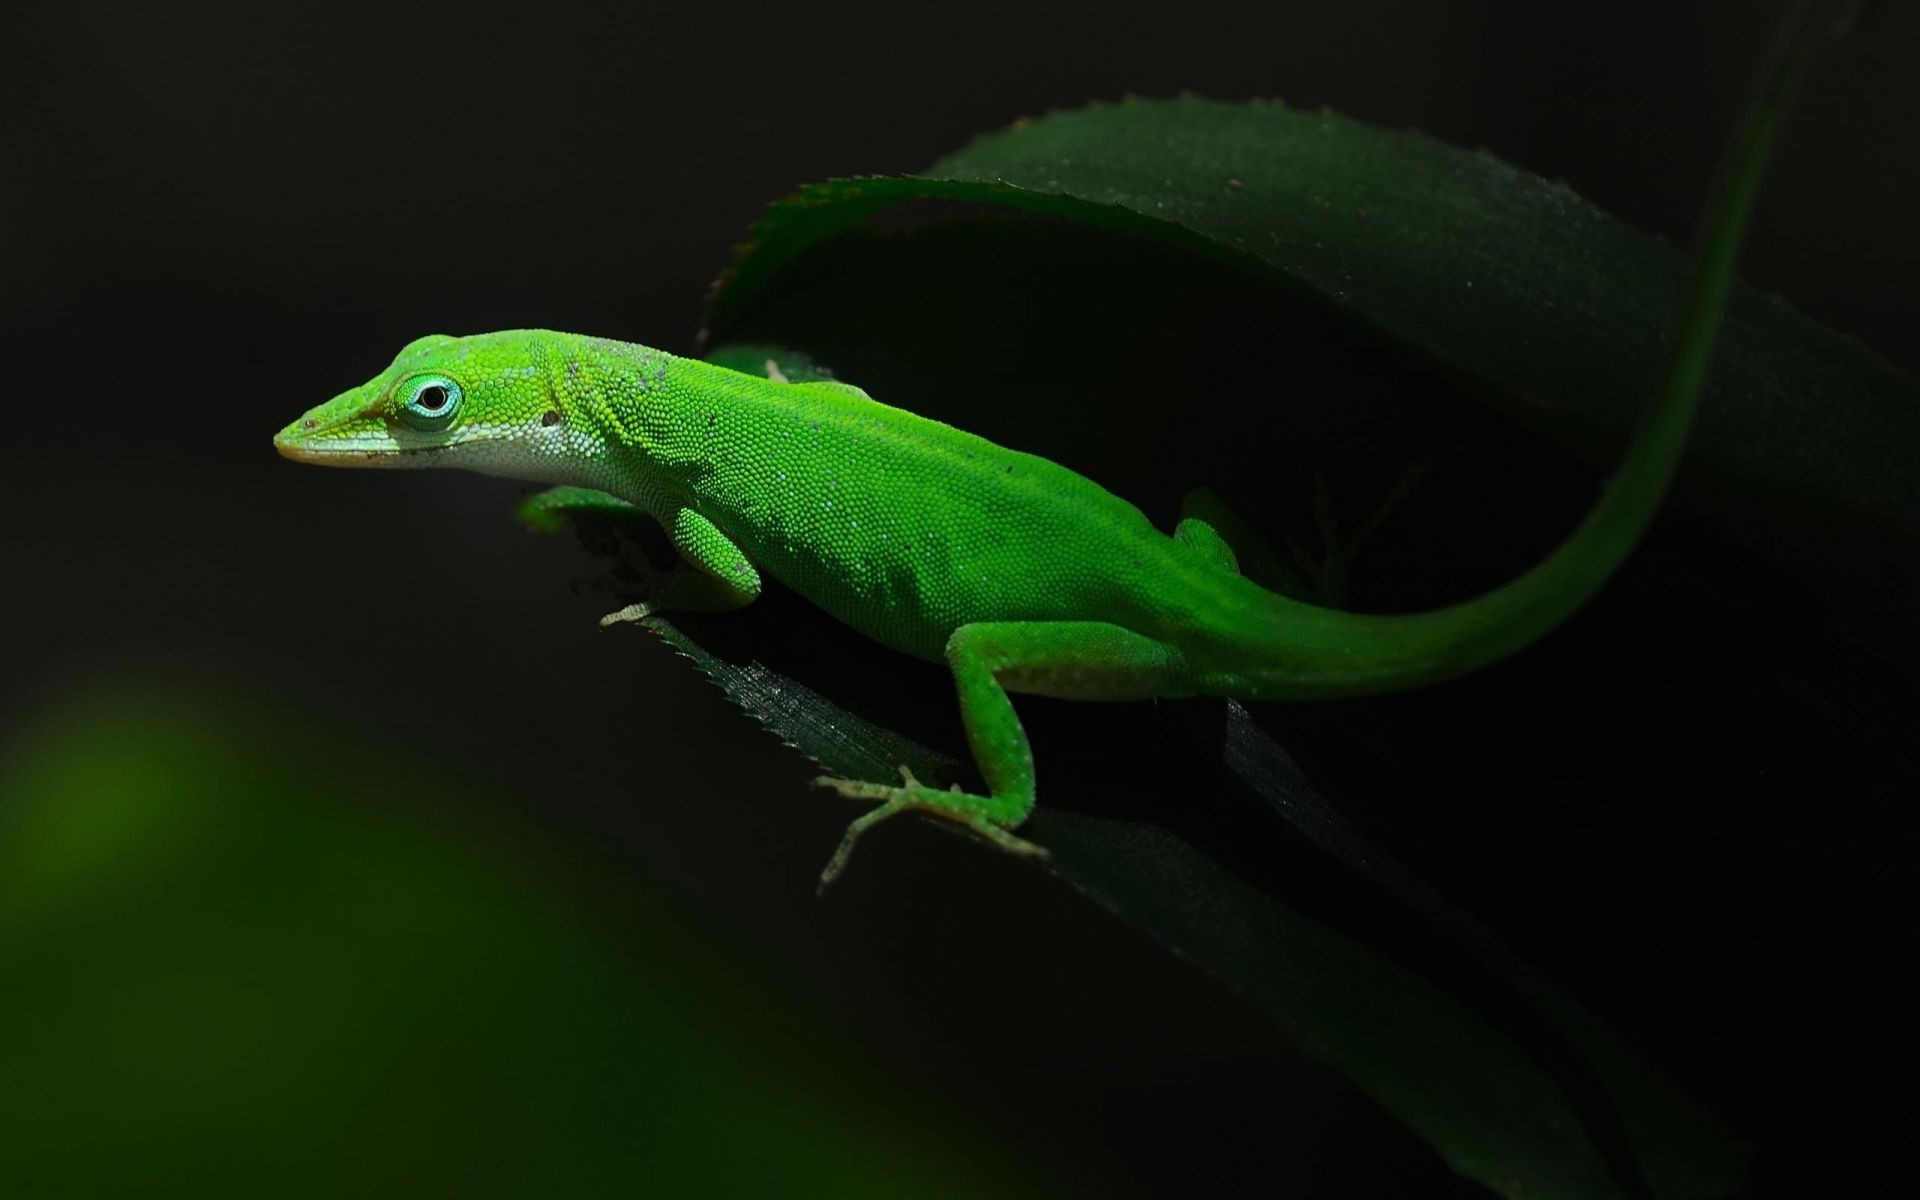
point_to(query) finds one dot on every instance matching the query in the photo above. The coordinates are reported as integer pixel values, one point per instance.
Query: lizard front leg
(712, 574)
(594, 516)
(1081, 660)
(549, 511)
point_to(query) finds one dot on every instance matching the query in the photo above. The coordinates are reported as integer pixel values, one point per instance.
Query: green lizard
(1020, 574)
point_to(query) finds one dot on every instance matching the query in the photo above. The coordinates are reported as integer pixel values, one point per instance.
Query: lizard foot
(1330, 570)
(961, 808)
(631, 614)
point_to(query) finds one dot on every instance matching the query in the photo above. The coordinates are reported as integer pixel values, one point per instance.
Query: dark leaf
(1529, 296)
(1256, 878)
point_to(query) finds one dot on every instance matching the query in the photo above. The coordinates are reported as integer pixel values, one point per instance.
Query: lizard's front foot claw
(632, 613)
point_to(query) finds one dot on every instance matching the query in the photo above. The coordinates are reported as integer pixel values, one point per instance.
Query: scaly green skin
(1022, 575)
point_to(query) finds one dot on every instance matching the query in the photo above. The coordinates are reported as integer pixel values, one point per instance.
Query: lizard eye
(431, 401)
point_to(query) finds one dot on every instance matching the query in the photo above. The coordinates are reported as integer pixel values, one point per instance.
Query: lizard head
(483, 403)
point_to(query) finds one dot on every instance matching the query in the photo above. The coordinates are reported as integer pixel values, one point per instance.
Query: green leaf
(1537, 302)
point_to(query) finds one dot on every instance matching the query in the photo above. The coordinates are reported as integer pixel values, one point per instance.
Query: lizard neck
(657, 419)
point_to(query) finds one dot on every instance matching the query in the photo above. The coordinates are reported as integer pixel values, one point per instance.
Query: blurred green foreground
(228, 968)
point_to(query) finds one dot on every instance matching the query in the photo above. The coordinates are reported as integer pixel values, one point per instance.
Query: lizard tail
(1317, 652)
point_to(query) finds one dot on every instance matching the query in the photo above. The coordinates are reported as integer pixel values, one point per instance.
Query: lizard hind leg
(1330, 571)
(1084, 660)
(1210, 526)
(988, 817)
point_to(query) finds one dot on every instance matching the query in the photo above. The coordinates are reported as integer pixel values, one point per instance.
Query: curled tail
(1318, 652)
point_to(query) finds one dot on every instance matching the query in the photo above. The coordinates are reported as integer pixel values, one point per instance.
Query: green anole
(1019, 574)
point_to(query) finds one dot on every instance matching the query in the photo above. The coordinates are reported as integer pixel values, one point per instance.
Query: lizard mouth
(347, 452)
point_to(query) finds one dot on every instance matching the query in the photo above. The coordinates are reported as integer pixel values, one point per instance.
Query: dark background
(216, 223)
